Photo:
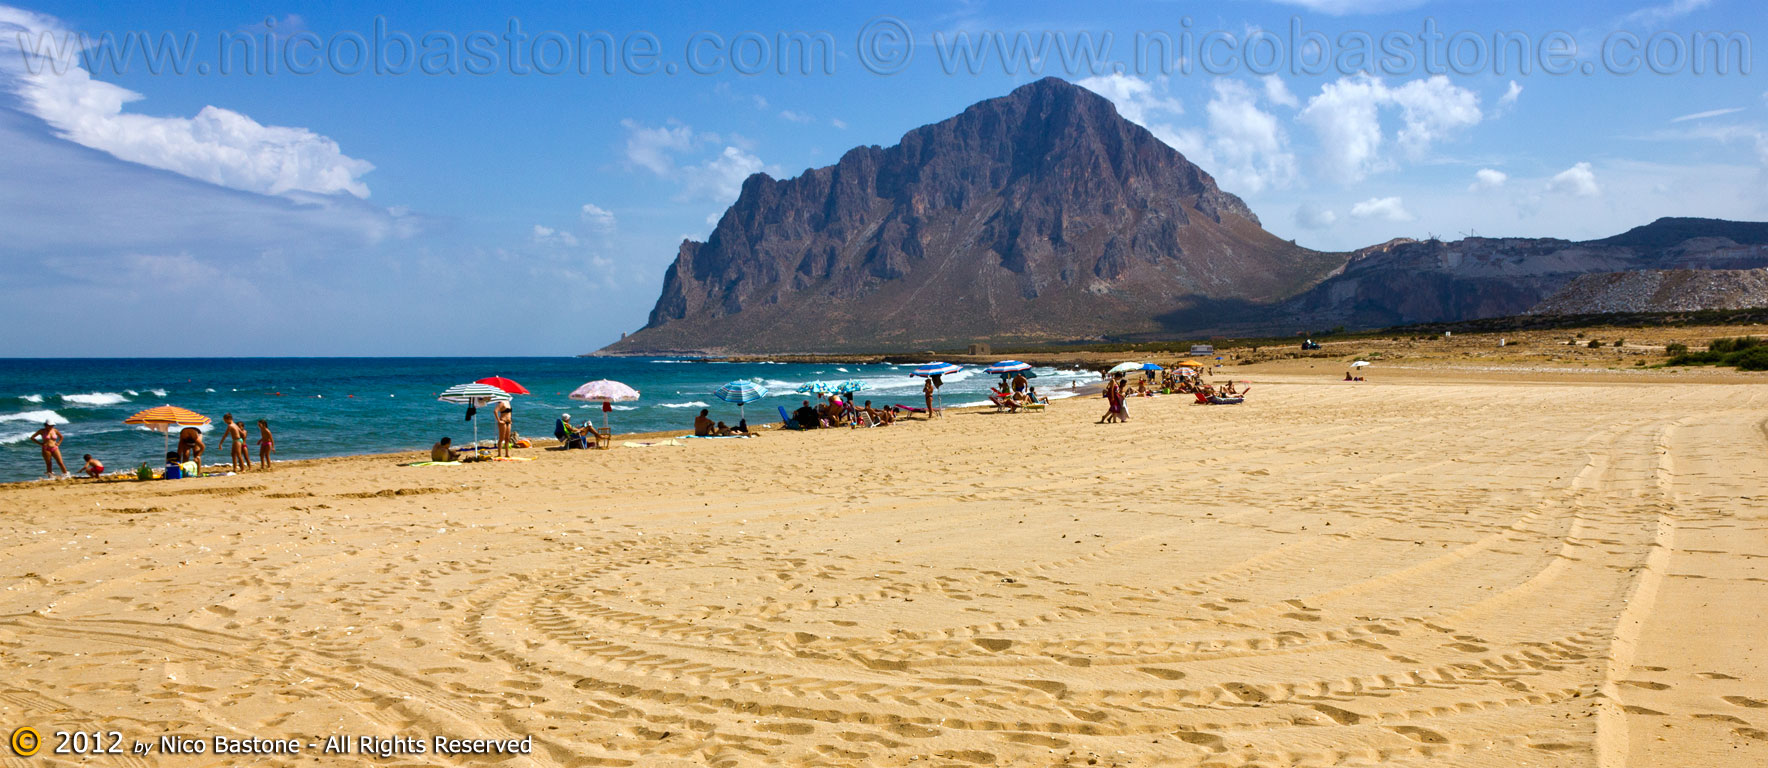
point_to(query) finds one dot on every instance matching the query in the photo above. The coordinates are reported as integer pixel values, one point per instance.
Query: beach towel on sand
(714, 437)
(631, 444)
(432, 464)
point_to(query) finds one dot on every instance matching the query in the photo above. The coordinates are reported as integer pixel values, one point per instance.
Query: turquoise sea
(339, 406)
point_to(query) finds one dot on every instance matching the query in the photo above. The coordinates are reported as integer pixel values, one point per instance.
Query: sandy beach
(1417, 570)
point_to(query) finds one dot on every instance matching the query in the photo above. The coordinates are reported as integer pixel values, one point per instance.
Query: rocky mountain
(1675, 290)
(1040, 215)
(1410, 281)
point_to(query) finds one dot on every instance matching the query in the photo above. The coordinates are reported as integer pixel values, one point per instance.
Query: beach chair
(786, 421)
(1202, 399)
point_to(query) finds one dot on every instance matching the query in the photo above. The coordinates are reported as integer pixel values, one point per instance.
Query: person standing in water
(49, 440)
(266, 444)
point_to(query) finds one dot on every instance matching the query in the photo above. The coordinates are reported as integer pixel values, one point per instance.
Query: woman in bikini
(266, 443)
(49, 439)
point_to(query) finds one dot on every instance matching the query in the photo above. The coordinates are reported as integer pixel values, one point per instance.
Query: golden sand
(1424, 573)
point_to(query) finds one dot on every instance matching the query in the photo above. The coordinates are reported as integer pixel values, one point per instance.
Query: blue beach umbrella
(1007, 366)
(934, 371)
(741, 392)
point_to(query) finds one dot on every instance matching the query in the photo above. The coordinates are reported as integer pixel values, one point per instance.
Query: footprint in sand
(1421, 735)
(1745, 701)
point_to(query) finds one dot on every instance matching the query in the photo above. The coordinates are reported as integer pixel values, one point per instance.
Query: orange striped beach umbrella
(165, 417)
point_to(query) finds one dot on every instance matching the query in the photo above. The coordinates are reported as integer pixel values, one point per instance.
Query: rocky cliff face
(1675, 290)
(1407, 281)
(1040, 215)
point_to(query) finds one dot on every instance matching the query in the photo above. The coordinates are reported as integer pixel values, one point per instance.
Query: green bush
(1620, 342)
(1675, 348)
(1739, 344)
(1752, 359)
(1594, 343)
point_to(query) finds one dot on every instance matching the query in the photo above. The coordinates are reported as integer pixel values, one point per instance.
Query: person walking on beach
(235, 431)
(266, 444)
(49, 440)
(505, 429)
(1110, 395)
(927, 391)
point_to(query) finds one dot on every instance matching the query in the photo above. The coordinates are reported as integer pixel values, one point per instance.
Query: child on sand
(266, 443)
(93, 467)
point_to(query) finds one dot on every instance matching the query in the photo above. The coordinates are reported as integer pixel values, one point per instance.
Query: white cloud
(838, 123)
(598, 218)
(1277, 92)
(1707, 114)
(796, 117)
(1510, 96)
(1352, 7)
(1311, 216)
(1578, 180)
(1246, 145)
(549, 236)
(218, 145)
(1432, 109)
(1385, 208)
(1346, 116)
(653, 148)
(720, 179)
(1658, 14)
(1487, 179)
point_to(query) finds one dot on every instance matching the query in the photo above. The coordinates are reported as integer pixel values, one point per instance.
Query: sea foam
(95, 399)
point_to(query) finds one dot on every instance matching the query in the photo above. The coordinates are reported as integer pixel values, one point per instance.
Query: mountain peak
(1042, 214)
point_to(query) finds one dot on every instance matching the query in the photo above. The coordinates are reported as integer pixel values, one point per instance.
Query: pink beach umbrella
(606, 392)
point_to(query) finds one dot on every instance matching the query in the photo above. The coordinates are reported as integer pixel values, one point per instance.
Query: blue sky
(344, 212)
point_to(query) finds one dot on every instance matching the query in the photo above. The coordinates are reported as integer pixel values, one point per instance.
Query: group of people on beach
(838, 411)
(1015, 394)
(1119, 389)
(187, 460)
